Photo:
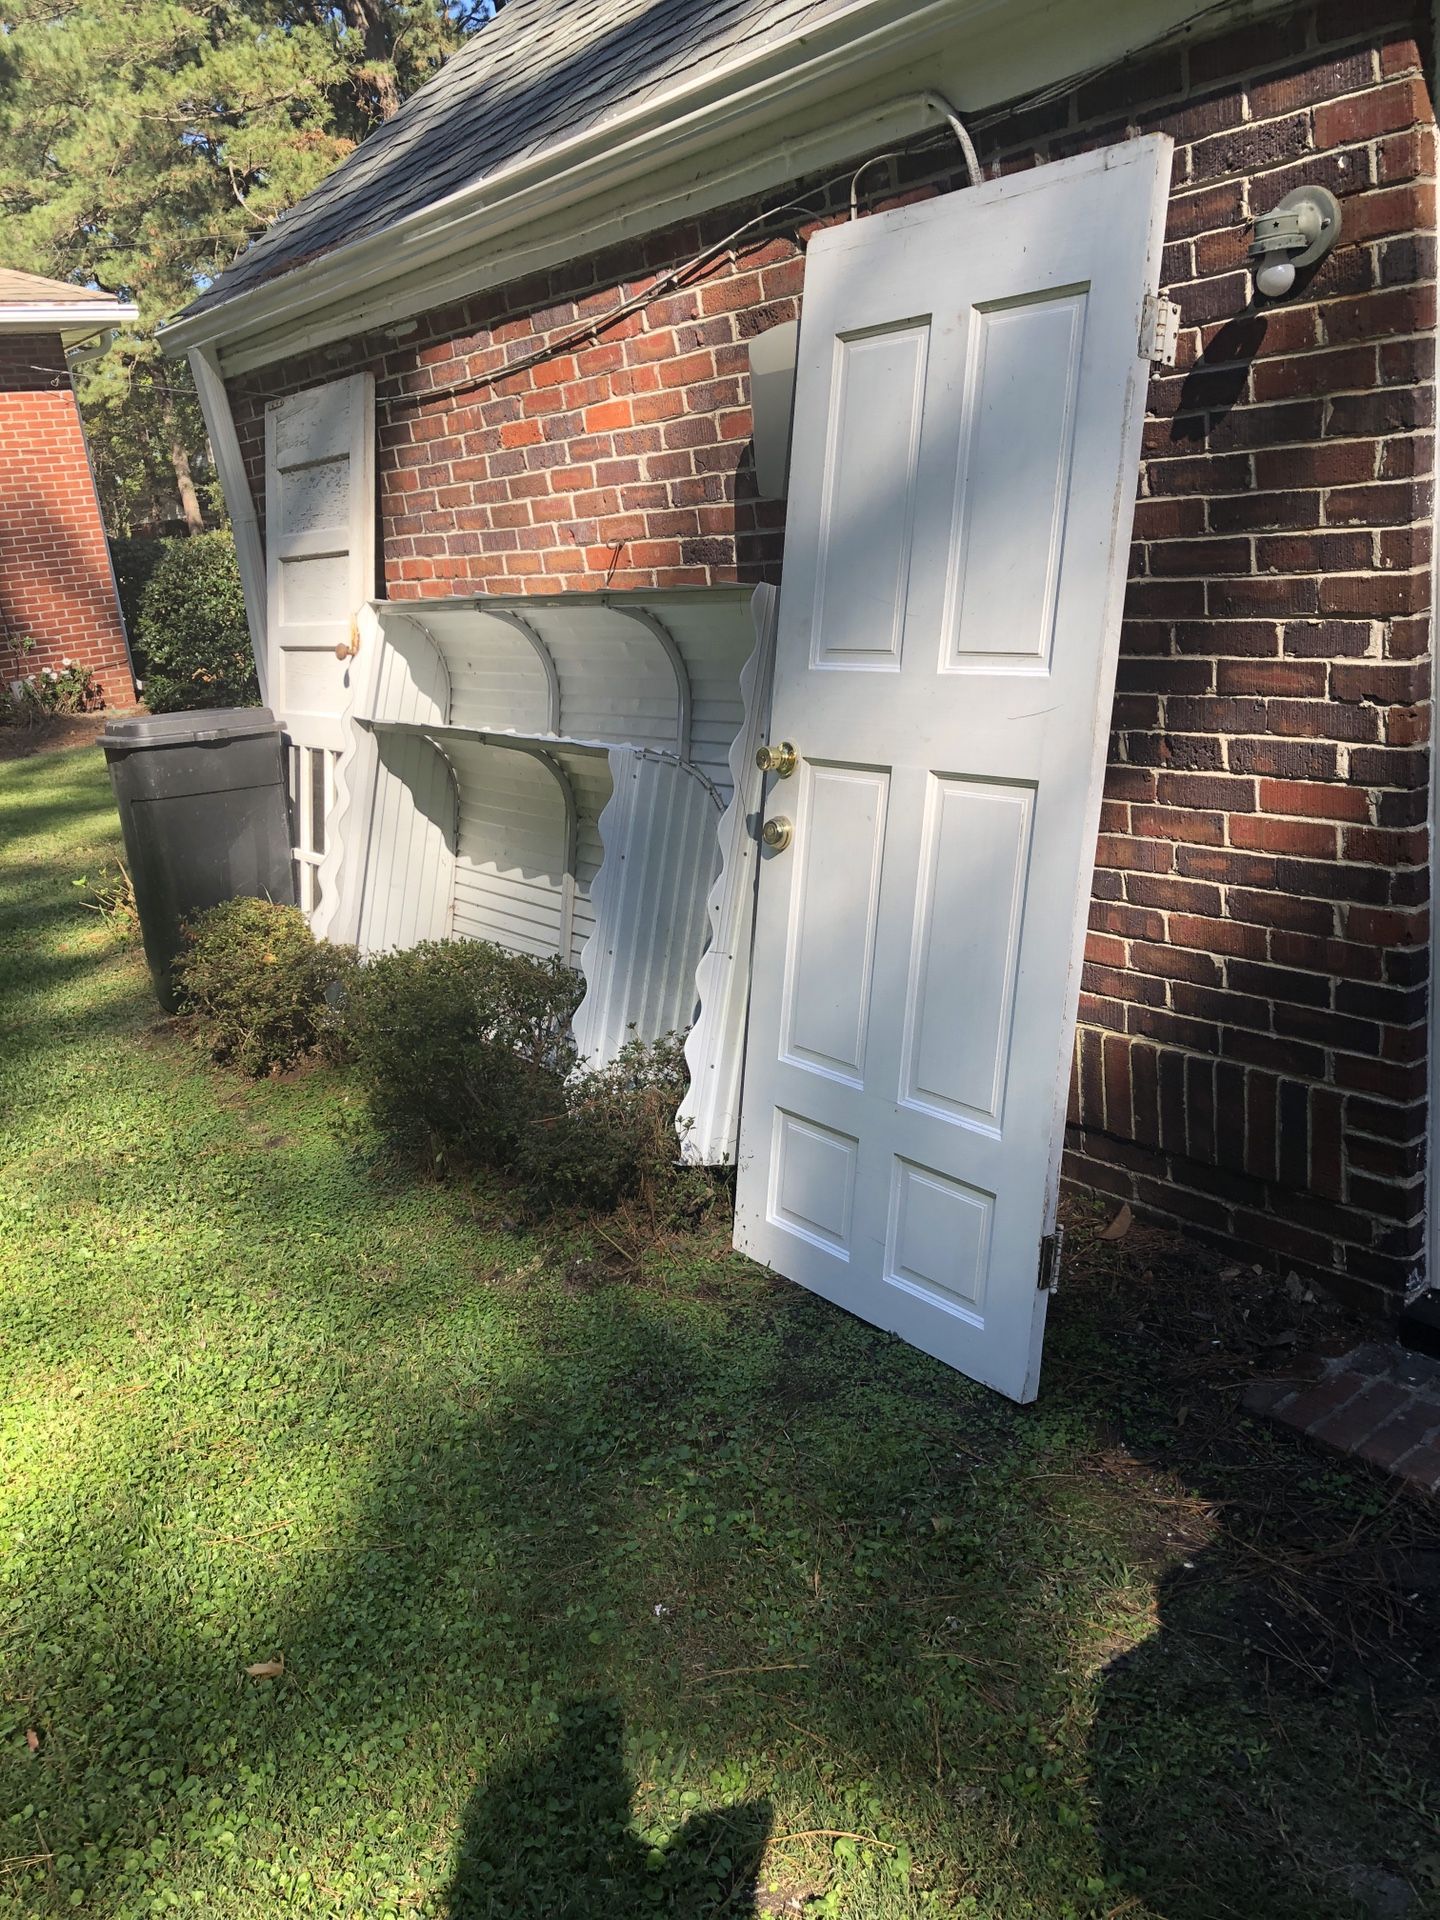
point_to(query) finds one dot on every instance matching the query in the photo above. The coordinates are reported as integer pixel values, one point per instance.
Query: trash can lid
(181, 729)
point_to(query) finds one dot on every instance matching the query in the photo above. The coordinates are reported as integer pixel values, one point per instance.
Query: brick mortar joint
(1173, 1169)
(1245, 1067)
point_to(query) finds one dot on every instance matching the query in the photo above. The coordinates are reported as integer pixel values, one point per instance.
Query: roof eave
(596, 156)
(863, 49)
(74, 320)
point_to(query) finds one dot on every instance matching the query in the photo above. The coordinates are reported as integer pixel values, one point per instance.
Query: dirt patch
(163, 1031)
(66, 730)
(1204, 1317)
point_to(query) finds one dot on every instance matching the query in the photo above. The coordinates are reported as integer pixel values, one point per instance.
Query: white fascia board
(788, 109)
(76, 320)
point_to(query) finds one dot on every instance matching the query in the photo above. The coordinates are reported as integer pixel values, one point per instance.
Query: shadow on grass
(63, 1000)
(726, 1534)
(553, 1837)
(1273, 1745)
(85, 825)
(1225, 1748)
(496, 1551)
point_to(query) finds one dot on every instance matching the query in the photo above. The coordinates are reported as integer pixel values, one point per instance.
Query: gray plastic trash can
(204, 817)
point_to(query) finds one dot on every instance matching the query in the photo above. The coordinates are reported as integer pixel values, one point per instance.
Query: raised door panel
(966, 948)
(1016, 449)
(869, 491)
(832, 939)
(812, 1185)
(937, 1239)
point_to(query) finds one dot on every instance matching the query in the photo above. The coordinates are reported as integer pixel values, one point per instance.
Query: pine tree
(143, 143)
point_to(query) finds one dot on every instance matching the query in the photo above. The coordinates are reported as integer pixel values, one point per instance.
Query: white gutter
(86, 316)
(551, 235)
(764, 118)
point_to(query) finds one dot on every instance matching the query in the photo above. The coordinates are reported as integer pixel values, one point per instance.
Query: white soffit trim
(822, 98)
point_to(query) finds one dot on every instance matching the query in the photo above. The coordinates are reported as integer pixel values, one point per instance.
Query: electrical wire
(579, 336)
(939, 104)
(676, 276)
(895, 153)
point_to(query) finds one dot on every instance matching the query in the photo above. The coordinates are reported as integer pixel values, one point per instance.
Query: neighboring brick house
(57, 591)
(1253, 1053)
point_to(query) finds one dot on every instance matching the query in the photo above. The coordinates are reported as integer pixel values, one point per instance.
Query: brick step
(1379, 1403)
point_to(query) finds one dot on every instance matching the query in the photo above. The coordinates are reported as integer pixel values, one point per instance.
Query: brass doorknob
(781, 761)
(776, 834)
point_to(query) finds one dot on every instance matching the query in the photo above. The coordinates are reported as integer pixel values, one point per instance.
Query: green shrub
(615, 1142)
(463, 1053)
(262, 985)
(190, 632)
(460, 1047)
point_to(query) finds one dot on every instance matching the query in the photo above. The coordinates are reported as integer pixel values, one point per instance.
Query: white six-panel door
(320, 571)
(969, 399)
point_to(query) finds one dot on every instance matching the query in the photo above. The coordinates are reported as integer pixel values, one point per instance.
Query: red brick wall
(1253, 1048)
(1251, 1055)
(56, 587)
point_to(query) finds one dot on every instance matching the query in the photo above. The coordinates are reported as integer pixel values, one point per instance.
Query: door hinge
(1159, 330)
(1052, 1248)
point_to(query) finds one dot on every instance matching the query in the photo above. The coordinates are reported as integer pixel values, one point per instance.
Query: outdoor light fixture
(1300, 231)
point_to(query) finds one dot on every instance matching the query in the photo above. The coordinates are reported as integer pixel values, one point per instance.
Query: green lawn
(593, 1590)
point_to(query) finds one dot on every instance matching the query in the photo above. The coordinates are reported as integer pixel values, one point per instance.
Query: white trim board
(235, 485)
(826, 96)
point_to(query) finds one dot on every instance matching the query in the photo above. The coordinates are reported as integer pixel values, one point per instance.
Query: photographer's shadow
(552, 1838)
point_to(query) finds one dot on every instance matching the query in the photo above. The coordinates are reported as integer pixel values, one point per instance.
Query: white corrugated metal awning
(559, 774)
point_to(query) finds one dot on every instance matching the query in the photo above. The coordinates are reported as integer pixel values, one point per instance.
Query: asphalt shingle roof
(541, 71)
(34, 290)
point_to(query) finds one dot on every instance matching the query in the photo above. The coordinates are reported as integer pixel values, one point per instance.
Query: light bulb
(1276, 278)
